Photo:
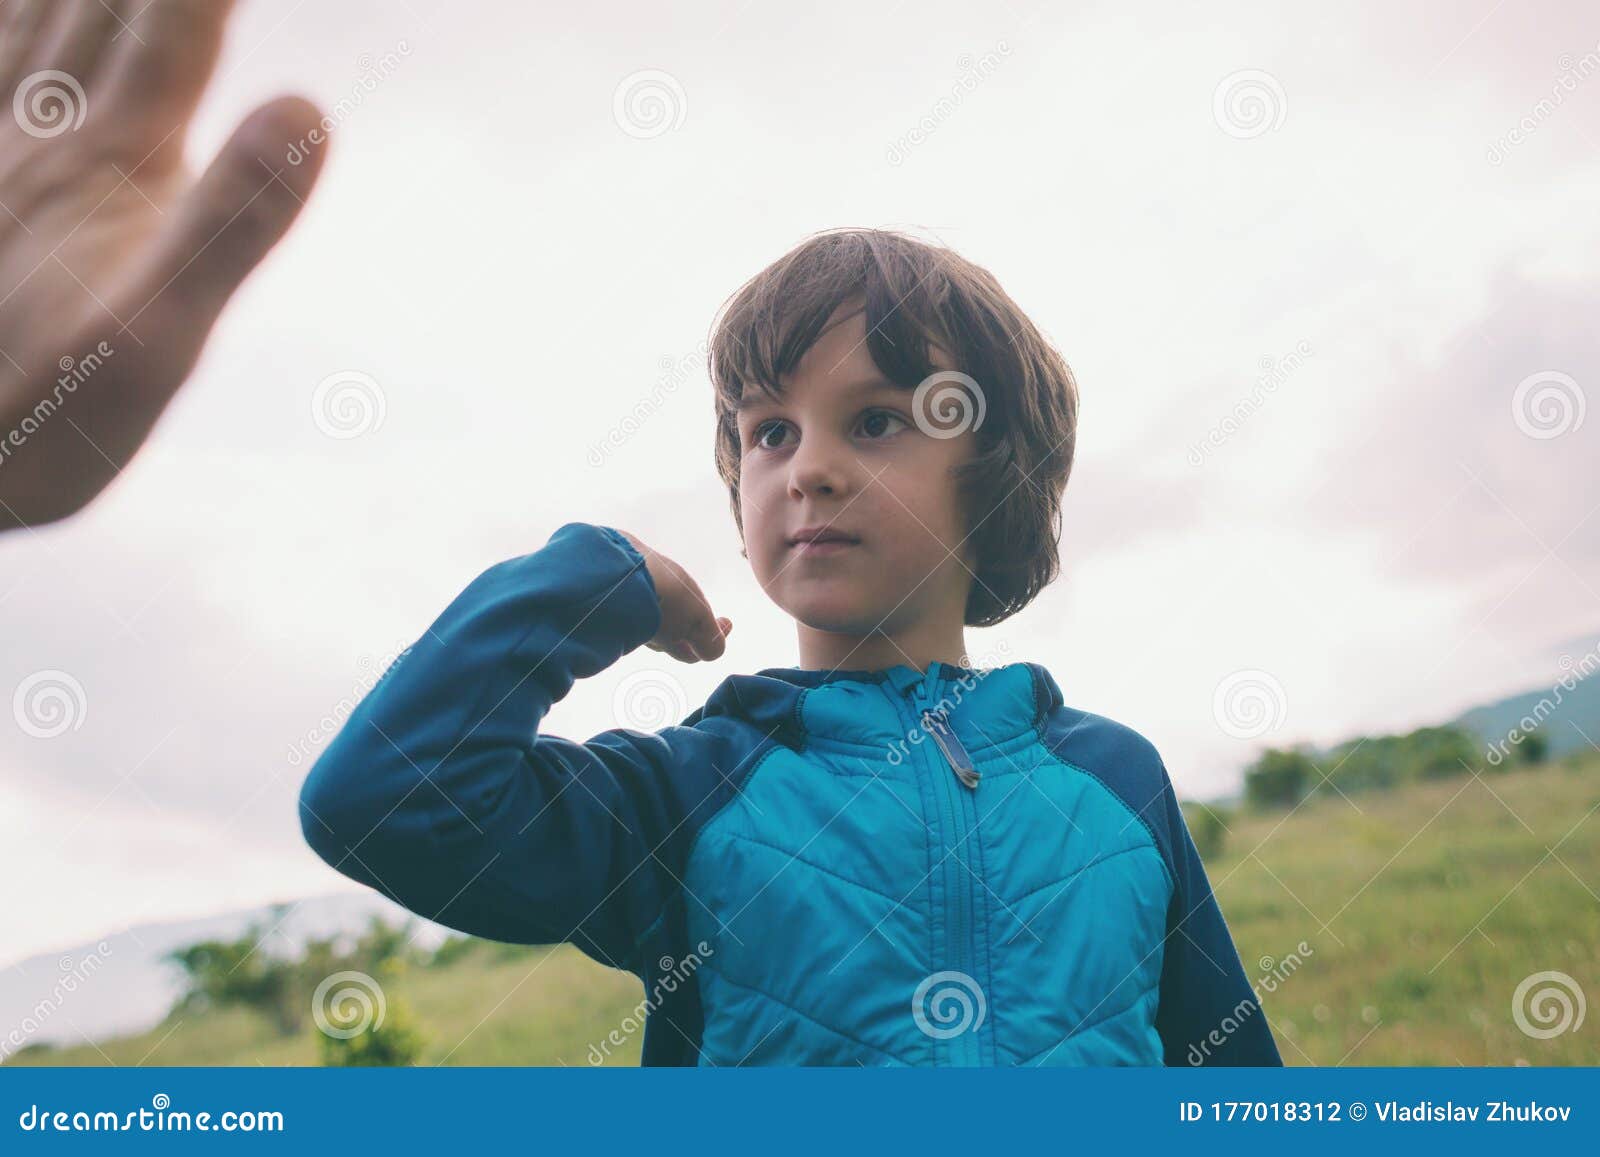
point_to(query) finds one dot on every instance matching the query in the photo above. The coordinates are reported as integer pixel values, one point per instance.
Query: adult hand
(114, 261)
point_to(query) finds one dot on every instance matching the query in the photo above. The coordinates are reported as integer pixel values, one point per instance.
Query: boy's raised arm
(1208, 1013)
(440, 792)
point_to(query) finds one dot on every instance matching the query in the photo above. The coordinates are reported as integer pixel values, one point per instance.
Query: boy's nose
(818, 470)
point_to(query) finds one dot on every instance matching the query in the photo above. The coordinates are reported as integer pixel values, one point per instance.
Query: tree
(1279, 779)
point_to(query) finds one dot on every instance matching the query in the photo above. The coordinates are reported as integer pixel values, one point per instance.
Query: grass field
(1422, 909)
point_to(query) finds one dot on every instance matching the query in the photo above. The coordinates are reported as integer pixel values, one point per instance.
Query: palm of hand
(114, 261)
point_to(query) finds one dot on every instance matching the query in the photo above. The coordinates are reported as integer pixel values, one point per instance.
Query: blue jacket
(876, 867)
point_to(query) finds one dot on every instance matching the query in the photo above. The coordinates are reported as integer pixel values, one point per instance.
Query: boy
(882, 856)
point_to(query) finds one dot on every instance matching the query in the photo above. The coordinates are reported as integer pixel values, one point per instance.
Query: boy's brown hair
(919, 297)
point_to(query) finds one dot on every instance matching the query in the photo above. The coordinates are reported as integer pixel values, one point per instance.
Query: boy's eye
(763, 430)
(877, 419)
(873, 424)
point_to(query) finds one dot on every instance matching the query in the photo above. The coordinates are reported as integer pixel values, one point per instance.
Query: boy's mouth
(813, 541)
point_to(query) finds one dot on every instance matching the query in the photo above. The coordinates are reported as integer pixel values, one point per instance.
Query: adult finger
(160, 65)
(228, 221)
(79, 34)
(21, 23)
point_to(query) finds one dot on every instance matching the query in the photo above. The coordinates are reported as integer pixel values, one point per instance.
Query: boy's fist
(689, 631)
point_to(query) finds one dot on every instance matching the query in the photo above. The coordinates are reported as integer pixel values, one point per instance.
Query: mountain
(120, 984)
(1566, 714)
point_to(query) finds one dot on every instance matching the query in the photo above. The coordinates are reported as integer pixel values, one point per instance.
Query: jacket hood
(986, 706)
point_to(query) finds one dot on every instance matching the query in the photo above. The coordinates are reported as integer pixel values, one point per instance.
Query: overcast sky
(1374, 227)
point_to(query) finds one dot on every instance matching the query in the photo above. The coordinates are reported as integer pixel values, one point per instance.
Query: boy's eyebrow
(874, 384)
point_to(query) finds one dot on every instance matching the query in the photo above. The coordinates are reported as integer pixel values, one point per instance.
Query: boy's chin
(839, 613)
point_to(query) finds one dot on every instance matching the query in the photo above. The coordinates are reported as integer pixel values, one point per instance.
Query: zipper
(936, 722)
(960, 879)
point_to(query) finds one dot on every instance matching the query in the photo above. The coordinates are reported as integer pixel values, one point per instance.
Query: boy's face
(843, 449)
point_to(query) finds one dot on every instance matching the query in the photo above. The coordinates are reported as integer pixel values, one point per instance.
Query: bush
(391, 1040)
(243, 973)
(1279, 779)
(1206, 828)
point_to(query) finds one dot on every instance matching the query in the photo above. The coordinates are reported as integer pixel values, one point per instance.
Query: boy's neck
(919, 647)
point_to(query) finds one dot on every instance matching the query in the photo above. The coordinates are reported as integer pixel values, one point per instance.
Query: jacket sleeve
(1208, 1013)
(440, 791)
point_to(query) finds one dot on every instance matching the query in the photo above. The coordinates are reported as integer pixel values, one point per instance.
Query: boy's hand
(689, 631)
(106, 242)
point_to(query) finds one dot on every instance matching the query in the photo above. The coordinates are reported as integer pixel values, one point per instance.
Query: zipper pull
(938, 726)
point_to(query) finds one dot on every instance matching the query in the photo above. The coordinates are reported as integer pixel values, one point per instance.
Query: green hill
(1421, 908)
(1567, 712)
